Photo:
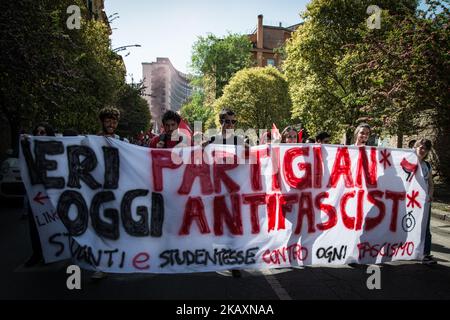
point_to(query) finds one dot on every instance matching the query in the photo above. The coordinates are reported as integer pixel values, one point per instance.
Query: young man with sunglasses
(228, 122)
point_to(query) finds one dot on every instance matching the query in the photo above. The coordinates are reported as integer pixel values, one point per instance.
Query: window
(271, 62)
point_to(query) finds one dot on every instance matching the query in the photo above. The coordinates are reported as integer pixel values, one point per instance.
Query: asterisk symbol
(412, 199)
(385, 160)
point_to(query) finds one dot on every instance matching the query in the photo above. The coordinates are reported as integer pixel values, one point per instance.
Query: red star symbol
(385, 160)
(412, 199)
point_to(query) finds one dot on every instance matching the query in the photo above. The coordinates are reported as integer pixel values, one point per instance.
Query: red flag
(275, 134)
(300, 136)
(183, 125)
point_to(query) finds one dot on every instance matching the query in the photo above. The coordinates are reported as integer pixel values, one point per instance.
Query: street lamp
(124, 47)
(113, 17)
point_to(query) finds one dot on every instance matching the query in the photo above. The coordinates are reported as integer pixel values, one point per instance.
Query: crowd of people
(110, 116)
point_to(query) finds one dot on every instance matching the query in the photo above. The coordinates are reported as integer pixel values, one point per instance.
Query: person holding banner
(422, 148)
(171, 120)
(362, 134)
(227, 119)
(228, 122)
(42, 129)
(109, 117)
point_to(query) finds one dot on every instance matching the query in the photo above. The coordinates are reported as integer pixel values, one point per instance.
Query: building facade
(266, 40)
(166, 88)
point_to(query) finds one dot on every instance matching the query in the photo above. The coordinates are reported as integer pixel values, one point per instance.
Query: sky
(169, 28)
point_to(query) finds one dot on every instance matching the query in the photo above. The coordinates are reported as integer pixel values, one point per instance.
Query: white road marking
(275, 284)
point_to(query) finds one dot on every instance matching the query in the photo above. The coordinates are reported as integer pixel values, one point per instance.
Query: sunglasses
(229, 121)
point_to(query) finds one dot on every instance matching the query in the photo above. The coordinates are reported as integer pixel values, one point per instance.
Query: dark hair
(70, 132)
(360, 126)
(411, 144)
(322, 135)
(109, 112)
(310, 140)
(423, 142)
(224, 113)
(171, 115)
(48, 129)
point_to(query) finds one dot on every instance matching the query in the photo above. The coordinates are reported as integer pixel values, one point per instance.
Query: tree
(216, 60)
(259, 96)
(135, 113)
(403, 71)
(324, 96)
(396, 69)
(51, 73)
(195, 110)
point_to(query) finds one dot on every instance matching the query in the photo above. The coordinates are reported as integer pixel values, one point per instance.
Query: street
(399, 280)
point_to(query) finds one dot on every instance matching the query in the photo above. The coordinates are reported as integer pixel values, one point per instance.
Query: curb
(441, 215)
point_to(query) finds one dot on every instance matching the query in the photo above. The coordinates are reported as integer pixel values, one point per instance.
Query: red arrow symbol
(409, 168)
(39, 198)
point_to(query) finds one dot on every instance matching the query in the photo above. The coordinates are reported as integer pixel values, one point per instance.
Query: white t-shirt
(426, 170)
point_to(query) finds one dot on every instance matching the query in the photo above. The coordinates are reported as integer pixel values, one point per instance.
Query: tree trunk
(400, 140)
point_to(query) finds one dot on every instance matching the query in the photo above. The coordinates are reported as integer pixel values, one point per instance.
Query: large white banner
(118, 207)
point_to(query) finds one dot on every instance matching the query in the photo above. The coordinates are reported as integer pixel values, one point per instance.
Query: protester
(323, 137)
(411, 144)
(423, 148)
(228, 122)
(227, 119)
(169, 138)
(42, 129)
(362, 134)
(289, 135)
(110, 117)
